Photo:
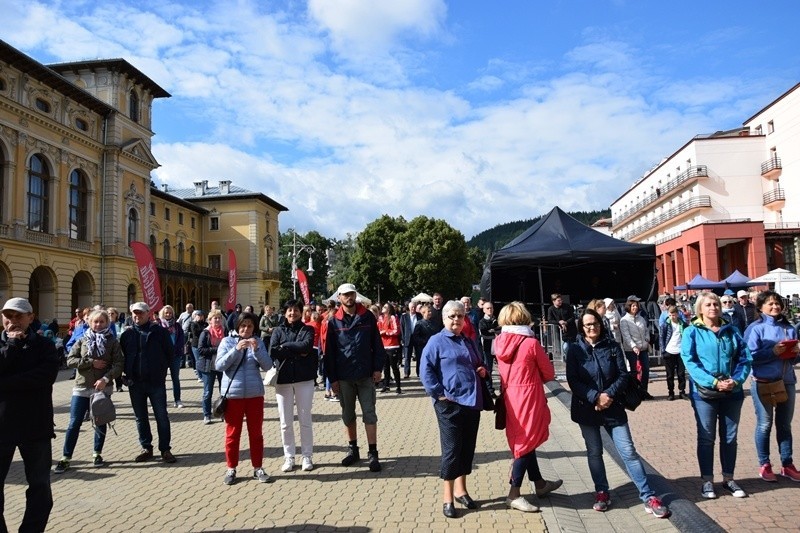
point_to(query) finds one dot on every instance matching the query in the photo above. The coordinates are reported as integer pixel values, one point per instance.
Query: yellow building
(75, 190)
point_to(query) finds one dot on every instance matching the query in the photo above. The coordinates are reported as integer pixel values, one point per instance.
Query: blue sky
(472, 111)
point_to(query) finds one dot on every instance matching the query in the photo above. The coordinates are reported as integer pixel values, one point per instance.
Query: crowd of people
(354, 352)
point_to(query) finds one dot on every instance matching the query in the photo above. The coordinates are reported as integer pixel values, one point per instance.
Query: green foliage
(370, 260)
(341, 258)
(317, 282)
(495, 238)
(431, 256)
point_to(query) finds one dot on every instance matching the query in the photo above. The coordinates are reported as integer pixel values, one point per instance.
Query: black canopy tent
(559, 254)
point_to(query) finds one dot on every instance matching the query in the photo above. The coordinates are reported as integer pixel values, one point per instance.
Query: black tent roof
(559, 238)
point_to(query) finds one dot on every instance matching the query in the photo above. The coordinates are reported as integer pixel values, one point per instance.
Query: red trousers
(235, 412)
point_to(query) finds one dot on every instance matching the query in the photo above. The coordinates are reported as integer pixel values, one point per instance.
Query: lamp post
(297, 247)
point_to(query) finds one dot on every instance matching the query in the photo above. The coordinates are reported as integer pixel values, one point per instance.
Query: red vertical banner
(302, 280)
(231, 279)
(148, 275)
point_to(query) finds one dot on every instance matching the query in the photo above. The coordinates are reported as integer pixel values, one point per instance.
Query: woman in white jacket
(612, 316)
(635, 342)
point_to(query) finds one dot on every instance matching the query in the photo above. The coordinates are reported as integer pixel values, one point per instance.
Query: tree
(432, 256)
(371, 267)
(341, 262)
(317, 282)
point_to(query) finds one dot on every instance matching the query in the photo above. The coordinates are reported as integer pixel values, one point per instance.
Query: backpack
(102, 409)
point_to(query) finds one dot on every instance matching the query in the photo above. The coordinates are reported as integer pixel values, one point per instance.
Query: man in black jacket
(423, 331)
(148, 352)
(408, 320)
(28, 369)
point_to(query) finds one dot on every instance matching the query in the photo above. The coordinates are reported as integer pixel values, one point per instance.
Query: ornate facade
(75, 190)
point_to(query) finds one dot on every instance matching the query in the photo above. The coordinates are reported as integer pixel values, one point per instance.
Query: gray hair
(453, 305)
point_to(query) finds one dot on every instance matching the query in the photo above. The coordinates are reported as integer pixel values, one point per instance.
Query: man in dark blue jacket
(353, 363)
(148, 352)
(28, 369)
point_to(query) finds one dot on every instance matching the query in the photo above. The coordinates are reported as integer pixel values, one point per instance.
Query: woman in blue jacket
(718, 362)
(241, 356)
(773, 360)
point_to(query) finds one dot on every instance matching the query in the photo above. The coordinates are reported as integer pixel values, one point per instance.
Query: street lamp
(297, 247)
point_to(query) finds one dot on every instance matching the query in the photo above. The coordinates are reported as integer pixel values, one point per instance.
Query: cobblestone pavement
(405, 496)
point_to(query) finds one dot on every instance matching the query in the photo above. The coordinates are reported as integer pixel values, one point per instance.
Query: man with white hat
(28, 369)
(745, 307)
(354, 359)
(148, 353)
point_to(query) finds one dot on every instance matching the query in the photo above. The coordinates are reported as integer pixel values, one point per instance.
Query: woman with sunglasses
(450, 370)
(597, 376)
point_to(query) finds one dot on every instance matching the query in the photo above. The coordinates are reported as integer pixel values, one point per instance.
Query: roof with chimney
(203, 192)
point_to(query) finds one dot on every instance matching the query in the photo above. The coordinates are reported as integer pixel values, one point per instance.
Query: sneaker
(145, 455)
(333, 399)
(207, 420)
(708, 490)
(602, 500)
(62, 465)
(735, 490)
(374, 464)
(262, 476)
(549, 486)
(230, 476)
(308, 466)
(179, 404)
(167, 457)
(765, 473)
(791, 472)
(352, 456)
(288, 464)
(98, 461)
(671, 397)
(656, 508)
(521, 504)
(398, 391)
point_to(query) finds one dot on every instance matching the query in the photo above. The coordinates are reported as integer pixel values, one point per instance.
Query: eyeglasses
(727, 301)
(591, 325)
(453, 317)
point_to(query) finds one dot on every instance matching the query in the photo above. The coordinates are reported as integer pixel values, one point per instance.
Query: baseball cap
(633, 298)
(344, 288)
(728, 292)
(21, 305)
(140, 306)
(741, 293)
(198, 312)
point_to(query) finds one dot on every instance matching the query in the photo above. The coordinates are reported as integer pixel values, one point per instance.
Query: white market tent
(777, 276)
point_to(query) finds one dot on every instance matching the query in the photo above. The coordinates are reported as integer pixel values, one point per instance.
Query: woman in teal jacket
(718, 362)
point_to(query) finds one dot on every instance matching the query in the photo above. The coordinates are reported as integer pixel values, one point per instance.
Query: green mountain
(495, 238)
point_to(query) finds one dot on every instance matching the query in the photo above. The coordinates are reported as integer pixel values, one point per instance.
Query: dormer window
(133, 106)
(42, 105)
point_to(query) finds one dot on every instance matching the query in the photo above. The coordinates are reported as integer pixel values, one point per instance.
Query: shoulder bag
(219, 405)
(271, 378)
(772, 392)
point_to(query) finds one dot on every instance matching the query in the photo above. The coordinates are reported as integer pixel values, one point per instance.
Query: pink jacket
(528, 417)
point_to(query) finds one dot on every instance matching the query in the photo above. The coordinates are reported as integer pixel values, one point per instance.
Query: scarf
(96, 342)
(216, 334)
(518, 330)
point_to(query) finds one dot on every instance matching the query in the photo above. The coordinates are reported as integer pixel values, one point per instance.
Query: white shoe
(179, 404)
(288, 465)
(521, 504)
(207, 420)
(308, 466)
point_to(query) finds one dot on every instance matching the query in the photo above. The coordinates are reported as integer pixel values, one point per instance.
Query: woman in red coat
(524, 368)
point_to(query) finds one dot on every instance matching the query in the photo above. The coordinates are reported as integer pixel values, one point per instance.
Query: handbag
(634, 393)
(488, 402)
(772, 392)
(221, 402)
(271, 378)
(710, 394)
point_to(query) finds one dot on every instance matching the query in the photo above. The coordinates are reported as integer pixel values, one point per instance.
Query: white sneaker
(308, 466)
(179, 404)
(288, 465)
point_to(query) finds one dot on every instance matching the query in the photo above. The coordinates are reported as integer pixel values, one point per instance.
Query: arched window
(153, 245)
(133, 223)
(2, 183)
(192, 256)
(133, 106)
(77, 205)
(180, 252)
(38, 184)
(166, 249)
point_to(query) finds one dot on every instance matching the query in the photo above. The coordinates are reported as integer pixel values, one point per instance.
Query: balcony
(260, 275)
(691, 205)
(196, 271)
(774, 199)
(664, 192)
(771, 168)
(39, 237)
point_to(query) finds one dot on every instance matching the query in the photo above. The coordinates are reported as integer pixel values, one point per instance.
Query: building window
(81, 124)
(38, 204)
(152, 209)
(133, 222)
(214, 262)
(180, 252)
(759, 130)
(77, 205)
(2, 184)
(770, 127)
(180, 219)
(166, 213)
(166, 250)
(214, 221)
(133, 106)
(153, 245)
(193, 223)
(192, 256)
(42, 105)
(2, 84)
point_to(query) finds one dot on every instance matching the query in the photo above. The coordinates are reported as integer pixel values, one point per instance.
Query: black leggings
(393, 357)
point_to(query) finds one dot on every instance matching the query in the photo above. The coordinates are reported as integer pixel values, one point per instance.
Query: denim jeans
(77, 410)
(707, 414)
(782, 415)
(527, 464)
(157, 394)
(37, 460)
(621, 435)
(408, 353)
(208, 391)
(175, 374)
